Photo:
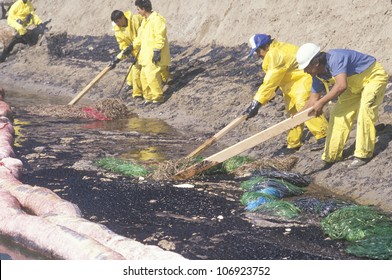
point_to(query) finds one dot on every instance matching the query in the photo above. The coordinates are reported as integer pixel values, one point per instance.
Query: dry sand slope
(214, 84)
(365, 25)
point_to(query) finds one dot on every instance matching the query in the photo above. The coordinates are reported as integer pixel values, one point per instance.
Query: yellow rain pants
(134, 80)
(281, 70)
(125, 37)
(152, 36)
(151, 79)
(362, 98)
(20, 10)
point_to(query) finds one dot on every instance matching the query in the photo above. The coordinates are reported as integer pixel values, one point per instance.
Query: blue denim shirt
(342, 61)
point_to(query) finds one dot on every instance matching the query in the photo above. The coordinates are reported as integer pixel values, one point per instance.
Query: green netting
(122, 167)
(374, 247)
(279, 208)
(228, 165)
(249, 197)
(320, 207)
(247, 185)
(356, 222)
(235, 162)
(291, 177)
(259, 183)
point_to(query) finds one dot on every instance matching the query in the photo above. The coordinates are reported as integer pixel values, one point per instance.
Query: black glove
(157, 56)
(19, 21)
(28, 18)
(253, 109)
(41, 28)
(127, 51)
(114, 62)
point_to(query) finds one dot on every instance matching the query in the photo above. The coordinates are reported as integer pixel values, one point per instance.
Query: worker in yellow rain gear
(359, 82)
(126, 28)
(21, 16)
(281, 71)
(154, 55)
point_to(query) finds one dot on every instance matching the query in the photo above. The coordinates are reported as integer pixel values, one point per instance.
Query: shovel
(87, 88)
(217, 136)
(244, 145)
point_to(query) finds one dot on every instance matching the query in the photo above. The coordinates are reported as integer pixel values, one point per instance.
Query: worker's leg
(318, 126)
(372, 97)
(165, 74)
(7, 50)
(298, 93)
(154, 80)
(294, 137)
(340, 123)
(137, 90)
(145, 86)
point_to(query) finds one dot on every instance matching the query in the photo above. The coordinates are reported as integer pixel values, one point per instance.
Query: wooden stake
(244, 145)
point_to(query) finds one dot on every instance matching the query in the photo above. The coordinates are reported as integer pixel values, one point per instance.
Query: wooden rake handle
(244, 145)
(217, 136)
(89, 86)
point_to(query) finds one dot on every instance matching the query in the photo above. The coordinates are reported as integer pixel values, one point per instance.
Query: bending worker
(126, 28)
(281, 70)
(359, 82)
(154, 55)
(20, 17)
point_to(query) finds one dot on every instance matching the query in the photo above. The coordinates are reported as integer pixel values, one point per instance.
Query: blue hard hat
(257, 41)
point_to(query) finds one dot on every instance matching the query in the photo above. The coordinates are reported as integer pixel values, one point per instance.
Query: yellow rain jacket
(281, 70)
(126, 35)
(20, 10)
(152, 35)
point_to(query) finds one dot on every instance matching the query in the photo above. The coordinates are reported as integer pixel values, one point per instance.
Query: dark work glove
(114, 62)
(252, 110)
(127, 51)
(157, 56)
(41, 28)
(28, 18)
(19, 21)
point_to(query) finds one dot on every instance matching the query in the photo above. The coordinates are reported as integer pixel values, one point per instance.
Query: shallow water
(151, 211)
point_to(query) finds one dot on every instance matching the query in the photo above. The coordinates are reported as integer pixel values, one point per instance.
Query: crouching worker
(21, 16)
(359, 82)
(126, 28)
(281, 70)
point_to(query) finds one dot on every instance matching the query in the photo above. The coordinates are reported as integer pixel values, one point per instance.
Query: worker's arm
(36, 20)
(159, 30)
(338, 88)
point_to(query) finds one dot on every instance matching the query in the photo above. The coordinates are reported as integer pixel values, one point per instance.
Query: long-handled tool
(129, 71)
(87, 88)
(244, 145)
(217, 136)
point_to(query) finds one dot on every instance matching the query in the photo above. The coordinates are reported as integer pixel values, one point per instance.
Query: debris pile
(101, 110)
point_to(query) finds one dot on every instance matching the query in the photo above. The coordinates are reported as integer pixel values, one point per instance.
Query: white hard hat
(306, 53)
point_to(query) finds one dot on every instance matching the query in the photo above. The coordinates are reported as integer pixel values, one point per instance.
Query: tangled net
(166, 169)
(277, 163)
